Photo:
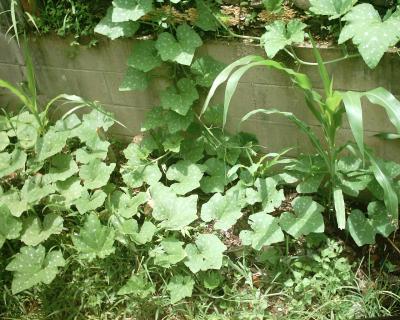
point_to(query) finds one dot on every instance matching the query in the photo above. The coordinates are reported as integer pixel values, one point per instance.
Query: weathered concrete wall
(95, 73)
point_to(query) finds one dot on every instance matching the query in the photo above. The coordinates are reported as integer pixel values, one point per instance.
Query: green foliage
(332, 8)
(265, 231)
(180, 287)
(369, 33)
(279, 35)
(32, 266)
(94, 239)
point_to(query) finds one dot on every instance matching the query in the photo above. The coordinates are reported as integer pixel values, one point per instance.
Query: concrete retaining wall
(95, 73)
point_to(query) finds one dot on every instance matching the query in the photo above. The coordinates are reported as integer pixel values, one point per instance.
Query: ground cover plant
(189, 221)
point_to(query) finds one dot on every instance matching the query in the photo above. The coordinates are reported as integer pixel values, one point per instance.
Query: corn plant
(329, 110)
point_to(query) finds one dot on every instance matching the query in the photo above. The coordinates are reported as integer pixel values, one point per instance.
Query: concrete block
(9, 50)
(56, 52)
(87, 84)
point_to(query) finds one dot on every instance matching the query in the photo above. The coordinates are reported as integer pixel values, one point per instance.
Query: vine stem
(393, 245)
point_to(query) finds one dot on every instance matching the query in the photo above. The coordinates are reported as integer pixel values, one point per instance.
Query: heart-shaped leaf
(88, 202)
(32, 266)
(115, 30)
(181, 49)
(138, 286)
(10, 227)
(36, 231)
(96, 174)
(306, 219)
(369, 33)
(130, 10)
(332, 8)
(225, 210)
(205, 254)
(144, 56)
(167, 205)
(62, 167)
(168, 253)
(266, 231)
(187, 174)
(180, 287)
(179, 98)
(94, 239)
(279, 35)
(206, 69)
(134, 80)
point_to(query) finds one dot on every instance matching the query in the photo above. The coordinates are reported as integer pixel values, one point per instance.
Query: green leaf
(181, 49)
(273, 5)
(50, 144)
(206, 69)
(27, 134)
(360, 228)
(134, 80)
(94, 239)
(187, 174)
(135, 176)
(172, 142)
(369, 33)
(205, 254)
(125, 206)
(332, 8)
(279, 35)
(146, 233)
(266, 231)
(168, 253)
(10, 227)
(380, 219)
(138, 286)
(35, 189)
(205, 18)
(11, 162)
(310, 184)
(217, 177)
(32, 266)
(36, 231)
(62, 167)
(70, 189)
(179, 98)
(144, 56)
(115, 30)
(167, 205)
(307, 218)
(225, 210)
(157, 117)
(214, 115)
(14, 202)
(180, 287)
(212, 280)
(130, 10)
(96, 174)
(4, 140)
(268, 194)
(340, 207)
(89, 202)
